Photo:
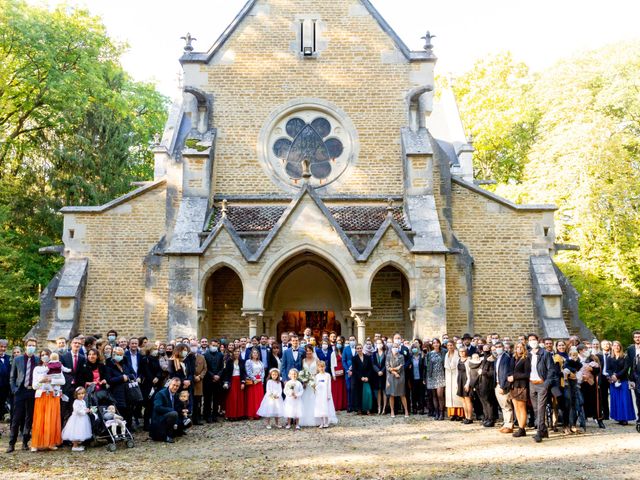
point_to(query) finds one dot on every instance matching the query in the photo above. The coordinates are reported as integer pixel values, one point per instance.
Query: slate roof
(350, 218)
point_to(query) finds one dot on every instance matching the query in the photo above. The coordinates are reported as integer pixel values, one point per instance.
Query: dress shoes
(10, 449)
(521, 432)
(506, 430)
(537, 438)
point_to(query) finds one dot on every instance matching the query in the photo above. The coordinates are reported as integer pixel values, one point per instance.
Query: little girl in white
(324, 408)
(272, 405)
(78, 427)
(293, 404)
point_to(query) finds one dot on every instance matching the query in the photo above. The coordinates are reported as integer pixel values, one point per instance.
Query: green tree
(75, 129)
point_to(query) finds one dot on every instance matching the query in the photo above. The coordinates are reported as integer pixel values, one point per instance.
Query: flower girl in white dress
(293, 401)
(272, 405)
(78, 427)
(324, 409)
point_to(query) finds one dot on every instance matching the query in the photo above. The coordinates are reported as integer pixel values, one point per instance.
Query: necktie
(29, 371)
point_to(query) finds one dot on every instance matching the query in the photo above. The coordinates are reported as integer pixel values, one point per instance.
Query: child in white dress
(78, 427)
(272, 405)
(293, 402)
(324, 408)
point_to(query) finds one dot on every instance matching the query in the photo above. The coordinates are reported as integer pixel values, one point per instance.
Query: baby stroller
(99, 402)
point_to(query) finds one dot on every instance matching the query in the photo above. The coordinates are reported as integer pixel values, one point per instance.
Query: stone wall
(116, 243)
(501, 240)
(259, 69)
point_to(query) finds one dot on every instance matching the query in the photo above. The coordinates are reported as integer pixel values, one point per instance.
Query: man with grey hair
(5, 373)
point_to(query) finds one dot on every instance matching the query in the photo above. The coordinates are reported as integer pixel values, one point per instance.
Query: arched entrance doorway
(223, 304)
(307, 291)
(389, 304)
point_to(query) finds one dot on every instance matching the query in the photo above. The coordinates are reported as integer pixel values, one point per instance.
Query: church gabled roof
(205, 57)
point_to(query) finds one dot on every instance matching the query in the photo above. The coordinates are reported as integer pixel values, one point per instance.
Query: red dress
(234, 407)
(339, 387)
(255, 394)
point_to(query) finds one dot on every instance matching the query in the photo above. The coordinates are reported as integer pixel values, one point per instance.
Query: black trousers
(197, 408)
(22, 416)
(417, 395)
(604, 398)
(487, 406)
(637, 394)
(168, 425)
(356, 395)
(212, 399)
(4, 396)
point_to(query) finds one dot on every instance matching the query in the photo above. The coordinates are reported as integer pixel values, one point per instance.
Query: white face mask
(394, 350)
(533, 344)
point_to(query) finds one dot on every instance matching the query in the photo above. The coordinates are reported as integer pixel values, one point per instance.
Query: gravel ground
(359, 447)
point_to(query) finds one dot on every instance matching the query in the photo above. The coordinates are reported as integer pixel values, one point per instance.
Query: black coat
(85, 375)
(117, 383)
(618, 367)
(520, 374)
(378, 365)
(150, 369)
(215, 365)
(228, 371)
(361, 368)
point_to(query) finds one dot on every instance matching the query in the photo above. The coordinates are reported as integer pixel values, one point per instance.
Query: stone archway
(307, 290)
(390, 303)
(222, 302)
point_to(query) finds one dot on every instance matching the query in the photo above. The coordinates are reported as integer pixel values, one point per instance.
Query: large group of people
(302, 380)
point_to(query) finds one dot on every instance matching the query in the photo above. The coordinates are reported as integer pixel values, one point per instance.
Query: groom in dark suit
(292, 358)
(166, 421)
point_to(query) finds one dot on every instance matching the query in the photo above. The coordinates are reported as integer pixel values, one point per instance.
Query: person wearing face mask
(395, 386)
(435, 377)
(379, 376)
(541, 369)
(590, 387)
(415, 373)
(453, 403)
(197, 365)
(21, 382)
(118, 376)
(324, 351)
(151, 375)
(112, 337)
(347, 360)
(212, 387)
(503, 385)
(338, 383)
(178, 367)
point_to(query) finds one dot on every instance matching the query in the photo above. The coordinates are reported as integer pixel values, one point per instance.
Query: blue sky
(538, 33)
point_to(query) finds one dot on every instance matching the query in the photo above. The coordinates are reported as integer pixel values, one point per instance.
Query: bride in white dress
(308, 418)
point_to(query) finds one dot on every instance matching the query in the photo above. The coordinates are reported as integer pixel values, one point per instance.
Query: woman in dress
(520, 381)
(234, 375)
(621, 402)
(338, 384)
(435, 378)
(452, 401)
(362, 372)
(309, 370)
(395, 379)
(253, 381)
(379, 376)
(464, 384)
(46, 430)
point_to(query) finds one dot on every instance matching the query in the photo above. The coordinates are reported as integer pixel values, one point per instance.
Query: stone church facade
(309, 176)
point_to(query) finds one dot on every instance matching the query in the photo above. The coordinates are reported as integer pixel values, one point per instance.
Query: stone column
(253, 316)
(359, 317)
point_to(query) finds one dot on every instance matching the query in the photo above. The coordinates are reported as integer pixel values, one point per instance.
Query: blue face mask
(352, 344)
(111, 338)
(325, 348)
(414, 350)
(339, 346)
(31, 350)
(118, 358)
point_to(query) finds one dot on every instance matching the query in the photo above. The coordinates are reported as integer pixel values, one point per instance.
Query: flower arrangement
(307, 379)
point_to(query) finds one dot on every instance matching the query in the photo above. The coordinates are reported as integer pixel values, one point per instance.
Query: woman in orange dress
(47, 428)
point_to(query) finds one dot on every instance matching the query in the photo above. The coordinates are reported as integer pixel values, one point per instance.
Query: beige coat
(452, 400)
(201, 369)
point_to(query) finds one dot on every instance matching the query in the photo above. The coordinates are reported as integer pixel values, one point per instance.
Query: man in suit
(73, 360)
(166, 422)
(292, 358)
(5, 375)
(633, 366)
(265, 353)
(213, 381)
(542, 375)
(134, 360)
(605, 372)
(21, 382)
(503, 371)
(466, 341)
(347, 362)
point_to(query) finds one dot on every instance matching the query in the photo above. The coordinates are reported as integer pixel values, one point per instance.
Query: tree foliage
(584, 157)
(75, 129)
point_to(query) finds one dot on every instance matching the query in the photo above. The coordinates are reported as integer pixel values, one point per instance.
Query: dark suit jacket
(215, 364)
(504, 369)
(361, 368)
(288, 362)
(162, 405)
(16, 377)
(117, 383)
(127, 355)
(5, 371)
(71, 379)
(631, 355)
(618, 367)
(85, 375)
(546, 367)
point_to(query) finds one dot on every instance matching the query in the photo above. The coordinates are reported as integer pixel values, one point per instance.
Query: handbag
(133, 393)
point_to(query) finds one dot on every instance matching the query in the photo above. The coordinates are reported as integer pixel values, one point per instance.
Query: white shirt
(605, 356)
(295, 354)
(534, 367)
(134, 362)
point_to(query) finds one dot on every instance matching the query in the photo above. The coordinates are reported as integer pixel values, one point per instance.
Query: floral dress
(435, 371)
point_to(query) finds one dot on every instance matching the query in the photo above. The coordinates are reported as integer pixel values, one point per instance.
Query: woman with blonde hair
(621, 402)
(520, 380)
(452, 401)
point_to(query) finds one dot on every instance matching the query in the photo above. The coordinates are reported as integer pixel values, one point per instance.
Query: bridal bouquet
(306, 378)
